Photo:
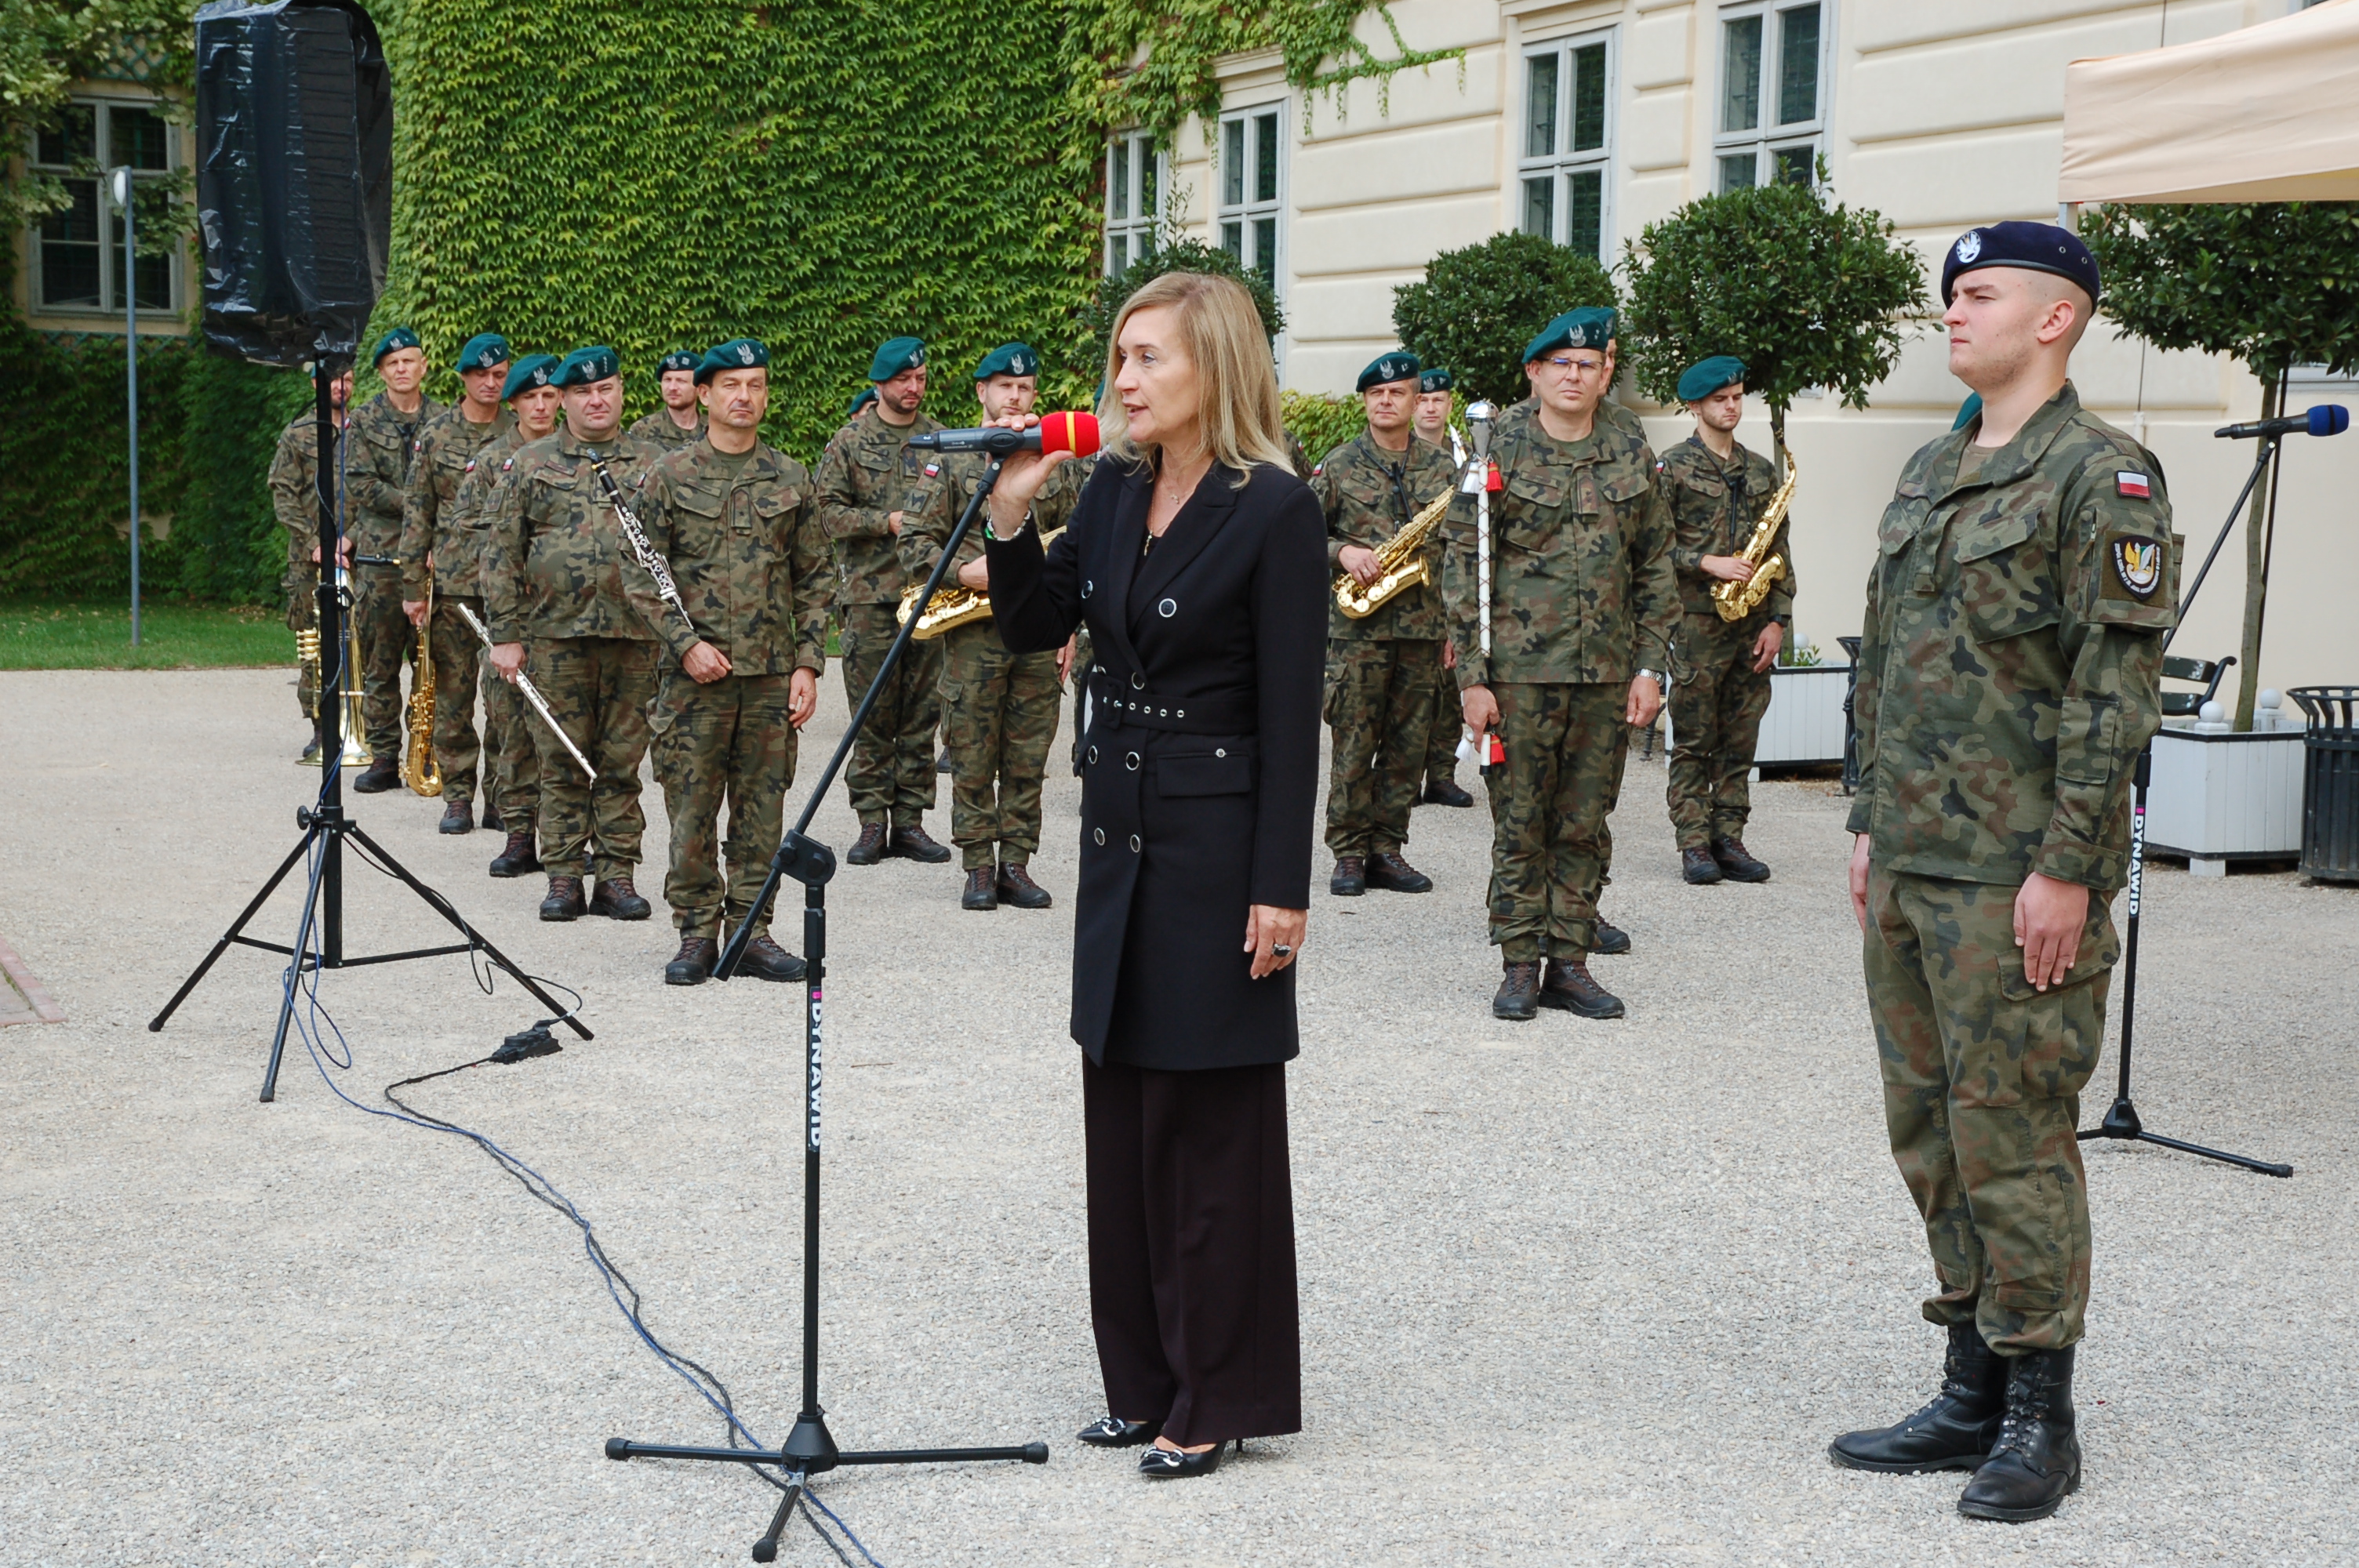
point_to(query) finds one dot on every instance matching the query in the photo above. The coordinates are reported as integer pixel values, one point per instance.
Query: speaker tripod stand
(325, 826)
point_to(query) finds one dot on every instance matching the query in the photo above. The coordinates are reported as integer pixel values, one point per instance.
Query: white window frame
(1767, 139)
(110, 219)
(1130, 233)
(1563, 163)
(1252, 222)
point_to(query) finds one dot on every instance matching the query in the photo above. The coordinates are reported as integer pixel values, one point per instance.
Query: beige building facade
(1588, 121)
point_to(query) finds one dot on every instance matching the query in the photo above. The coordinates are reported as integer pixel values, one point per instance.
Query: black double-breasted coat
(1201, 766)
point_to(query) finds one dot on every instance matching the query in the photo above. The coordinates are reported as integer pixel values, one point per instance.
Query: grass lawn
(83, 635)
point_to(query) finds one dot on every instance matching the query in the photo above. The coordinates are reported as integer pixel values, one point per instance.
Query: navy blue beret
(484, 351)
(1009, 359)
(1394, 366)
(678, 358)
(1434, 380)
(1704, 377)
(2037, 248)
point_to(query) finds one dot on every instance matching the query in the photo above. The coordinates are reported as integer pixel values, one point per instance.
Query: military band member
(2009, 675)
(733, 519)
(999, 709)
(512, 763)
(433, 545)
(1583, 608)
(378, 447)
(1435, 398)
(294, 497)
(553, 574)
(864, 480)
(1717, 490)
(679, 421)
(1589, 327)
(1384, 669)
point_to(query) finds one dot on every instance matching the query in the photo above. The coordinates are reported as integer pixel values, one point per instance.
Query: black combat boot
(1517, 999)
(1737, 862)
(765, 960)
(1350, 878)
(518, 856)
(1953, 1432)
(912, 842)
(1389, 872)
(1610, 940)
(491, 814)
(869, 847)
(982, 891)
(377, 777)
(693, 964)
(1569, 988)
(2036, 1463)
(458, 816)
(1441, 789)
(616, 899)
(1016, 887)
(1698, 867)
(564, 899)
(309, 757)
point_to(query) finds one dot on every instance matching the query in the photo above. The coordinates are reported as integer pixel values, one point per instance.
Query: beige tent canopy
(2265, 113)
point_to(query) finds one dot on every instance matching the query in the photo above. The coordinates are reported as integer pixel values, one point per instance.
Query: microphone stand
(2122, 1119)
(809, 1449)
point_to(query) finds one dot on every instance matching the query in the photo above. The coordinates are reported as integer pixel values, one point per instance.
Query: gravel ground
(1572, 1291)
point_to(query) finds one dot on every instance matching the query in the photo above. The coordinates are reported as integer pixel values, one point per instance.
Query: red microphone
(1062, 432)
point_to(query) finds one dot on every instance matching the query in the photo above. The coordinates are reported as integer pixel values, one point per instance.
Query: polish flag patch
(933, 468)
(2134, 485)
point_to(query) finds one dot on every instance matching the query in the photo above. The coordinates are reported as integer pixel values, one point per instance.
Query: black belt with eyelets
(1124, 704)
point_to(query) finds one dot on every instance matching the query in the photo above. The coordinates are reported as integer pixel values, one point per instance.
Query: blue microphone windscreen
(2329, 419)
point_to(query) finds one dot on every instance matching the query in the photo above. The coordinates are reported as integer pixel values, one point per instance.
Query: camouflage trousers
(388, 643)
(1442, 742)
(999, 719)
(1982, 1094)
(1379, 706)
(599, 688)
(1716, 707)
(302, 614)
(1550, 847)
(891, 776)
(730, 739)
(458, 671)
(511, 769)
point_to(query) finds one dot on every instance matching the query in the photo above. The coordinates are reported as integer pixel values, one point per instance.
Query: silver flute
(531, 694)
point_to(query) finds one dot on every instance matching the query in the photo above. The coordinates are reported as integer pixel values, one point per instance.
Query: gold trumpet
(354, 751)
(1401, 560)
(418, 769)
(1735, 601)
(957, 605)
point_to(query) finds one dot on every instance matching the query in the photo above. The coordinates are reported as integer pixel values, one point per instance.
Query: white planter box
(2216, 798)
(1805, 721)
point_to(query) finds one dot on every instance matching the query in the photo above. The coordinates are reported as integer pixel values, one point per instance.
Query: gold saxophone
(957, 605)
(1401, 560)
(418, 769)
(1735, 601)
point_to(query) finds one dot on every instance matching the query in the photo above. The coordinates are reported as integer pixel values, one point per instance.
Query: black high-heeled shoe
(1170, 1464)
(1113, 1432)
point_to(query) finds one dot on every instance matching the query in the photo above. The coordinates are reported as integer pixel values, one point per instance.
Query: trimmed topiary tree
(1478, 306)
(1105, 307)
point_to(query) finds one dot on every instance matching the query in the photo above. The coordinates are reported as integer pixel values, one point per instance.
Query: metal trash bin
(2330, 786)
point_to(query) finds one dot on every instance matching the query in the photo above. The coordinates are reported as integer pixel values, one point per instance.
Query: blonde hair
(1236, 401)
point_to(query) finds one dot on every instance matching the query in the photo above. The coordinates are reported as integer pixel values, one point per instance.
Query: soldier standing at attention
(999, 709)
(1583, 608)
(1717, 491)
(864, 478)
(512, 762)
(1434, 401)
(2009, 675)
(295, 496)
(553, 573)
(1384, 669)
(378, 443)
(1590, 326)
(679, 421)
(732, 519)
(432, 544)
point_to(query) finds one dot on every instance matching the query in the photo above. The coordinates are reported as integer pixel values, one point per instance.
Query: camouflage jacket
(431, 525)
(945, 481)
(377, 444)
(2010, 669)
(746, 554)
(1611, 415)
(865, 476)
(552, 555)
(1582, 588)
(1715, 506)
(1369, 495)
(659, 429)
(295, 494)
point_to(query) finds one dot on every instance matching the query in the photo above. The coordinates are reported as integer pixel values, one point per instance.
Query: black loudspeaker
(294, 122)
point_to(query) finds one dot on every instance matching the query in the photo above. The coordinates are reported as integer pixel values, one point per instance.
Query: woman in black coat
(1198, 563)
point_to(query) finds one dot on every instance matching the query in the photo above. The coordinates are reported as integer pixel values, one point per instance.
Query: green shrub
(1478, 306)
(1105, 307)
(1323, 423)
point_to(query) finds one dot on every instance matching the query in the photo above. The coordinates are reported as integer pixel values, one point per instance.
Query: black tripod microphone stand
(809, 1449)
(2122, 1119)
(326, 824)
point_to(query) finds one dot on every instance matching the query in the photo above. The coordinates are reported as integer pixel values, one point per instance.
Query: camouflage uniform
(752, 567)
(864, 476)
(1611, 416)
(553, 580)
(432, 525)
(512, 762)
(376, 448)
(1717, 697)
(1383, 672)
(2009, 675)
(999, 709)
(1582, 599)
(1449, 730)
(295, 496)
(660, 430)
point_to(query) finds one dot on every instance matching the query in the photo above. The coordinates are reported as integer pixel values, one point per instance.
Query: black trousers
(1191, 1249)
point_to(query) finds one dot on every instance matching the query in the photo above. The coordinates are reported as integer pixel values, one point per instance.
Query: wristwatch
(1657, 676)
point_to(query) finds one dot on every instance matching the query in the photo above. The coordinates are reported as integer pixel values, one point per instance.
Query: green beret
(894, 355)
(1589, 328)
(484, 351)
(533, 370)
(392, 342)
(867, 396)
(1397, 365)
(585, 366)
(1968, 411)
(1009, 359)
(737, 353)
(1704, 377)
(1435, 380)
(678, 358)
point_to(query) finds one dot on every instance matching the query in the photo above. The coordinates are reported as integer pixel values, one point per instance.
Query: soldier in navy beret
(533, 370)
(1589, 327)
(400, 338)
(1009, 359)
(484, 351)
(866, 396)
(587, 366)
(680, 421)
(1398, 365)
(2035, 247)
(678, 358)
(1704, 377)
(737, 353)
(895, 356)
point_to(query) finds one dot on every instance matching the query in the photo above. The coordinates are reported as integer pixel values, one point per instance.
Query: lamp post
(131, 377)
